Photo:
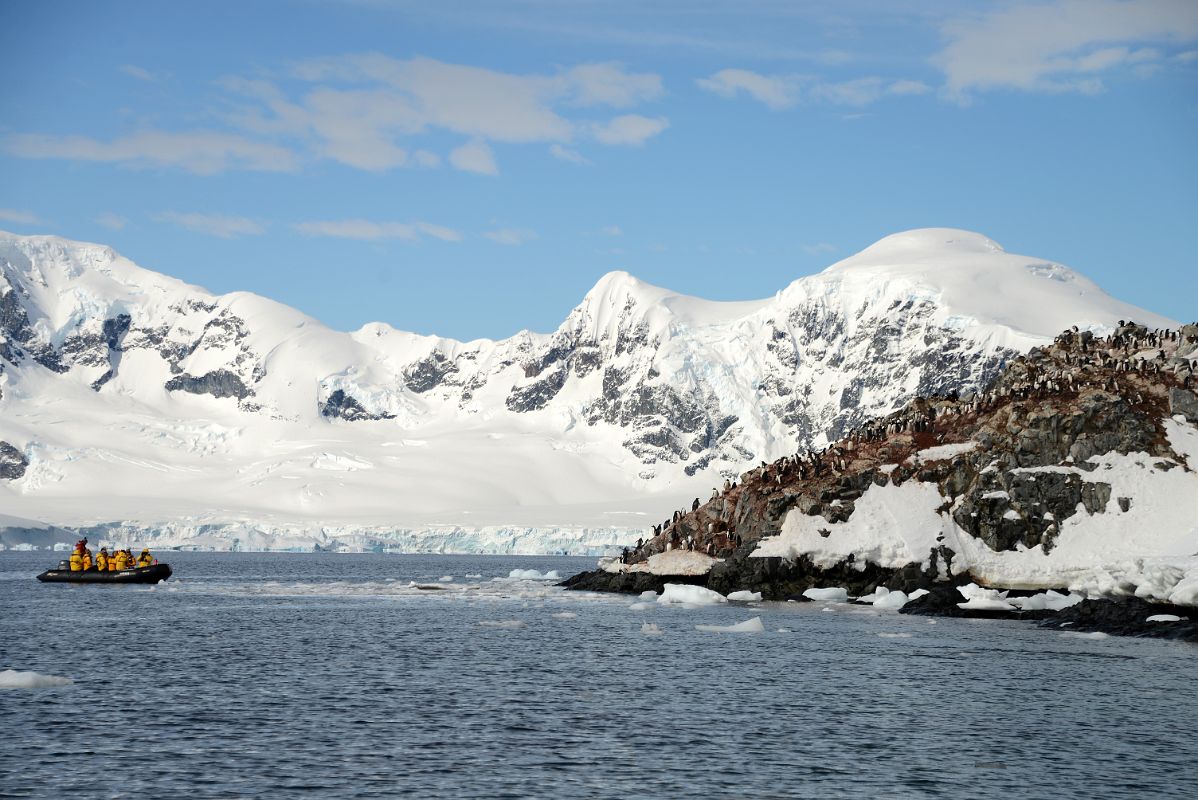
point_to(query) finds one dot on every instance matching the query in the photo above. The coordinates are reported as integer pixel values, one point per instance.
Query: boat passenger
(88, 563)
(102, 560)
(122, 561)
(145, 559)
(76, 561)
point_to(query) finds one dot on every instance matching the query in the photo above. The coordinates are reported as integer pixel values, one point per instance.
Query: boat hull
(150, 574)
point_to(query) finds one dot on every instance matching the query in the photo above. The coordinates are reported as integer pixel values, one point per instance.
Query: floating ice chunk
(445, 578)
(748, 626)
(834, 594)
(16, 679)
(474, 575)
(979, 599)
(1045, 601)
(895, 635)
(685, 594)
(891, 601)
(745, 596)
(1164, 618)
(533, 575)
(873, 596)
(785, 630)
(648, 595)
(640, 606)
(650, 629)
(564, 615)
(1093, 635)
(506, 624)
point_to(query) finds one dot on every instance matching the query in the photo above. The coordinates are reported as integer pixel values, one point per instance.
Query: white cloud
(19, 217)
(566, 154)
(1187, 57)
(475, 156)
(1059, 46)
(786, 91)
(611, 85)
(362, 110)
(613, 230)
(819, 248)
(776, 91)
(905, 87)
(110, 220)
(423, 158)
(213, 224)
(439, 232)
(511, 236)
(142, 74)
(366, 230)
(201, 152)
(630, 129)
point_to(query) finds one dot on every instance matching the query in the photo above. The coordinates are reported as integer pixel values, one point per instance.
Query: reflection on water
(441, 676)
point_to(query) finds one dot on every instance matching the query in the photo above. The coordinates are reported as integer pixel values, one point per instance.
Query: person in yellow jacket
(102, 560)
(122, 561)
(76, 561)
(145, 559)
(88, 563)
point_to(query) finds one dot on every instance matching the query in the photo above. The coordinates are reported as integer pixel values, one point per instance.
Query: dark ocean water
(281, 675)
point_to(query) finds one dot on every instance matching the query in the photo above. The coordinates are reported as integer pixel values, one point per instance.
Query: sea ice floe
(833, 594)
(685, 594)
(640, 606)
(891, 601)
(648, 595)
(896, 635)
(748, 626)
(1092, 635)
(1164, 618)
(446, 578)
(979, 599)
(1050, 601)
(17, 679)
(533, 575)
(650, 629)
(564, 615)
(745, 596)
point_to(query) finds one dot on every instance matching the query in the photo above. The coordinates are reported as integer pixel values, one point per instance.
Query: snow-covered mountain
(128, 398)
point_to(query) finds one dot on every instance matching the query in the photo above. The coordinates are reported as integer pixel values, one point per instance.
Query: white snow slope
(172, 416)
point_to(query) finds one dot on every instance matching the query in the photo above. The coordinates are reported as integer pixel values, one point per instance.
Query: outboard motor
(64, 565)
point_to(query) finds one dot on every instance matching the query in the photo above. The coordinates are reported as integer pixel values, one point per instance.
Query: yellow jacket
(122, 560)
(102, 562)
(76, 562)
(145, 560)
(87, 560)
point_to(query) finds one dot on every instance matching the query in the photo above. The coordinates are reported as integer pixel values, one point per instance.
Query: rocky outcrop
(12, 462)
(1184, 402)
(1009, 464)
(218, 383)
(340, 405)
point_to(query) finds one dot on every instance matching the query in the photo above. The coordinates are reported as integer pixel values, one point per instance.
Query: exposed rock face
(340, 405)
(1009, 465)
(1184, 402)
(218, 383)
(12, 462)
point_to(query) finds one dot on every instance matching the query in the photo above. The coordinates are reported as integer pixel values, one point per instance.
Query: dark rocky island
(1033, 462)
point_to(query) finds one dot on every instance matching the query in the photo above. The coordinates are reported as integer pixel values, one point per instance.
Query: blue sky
(470, 169)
